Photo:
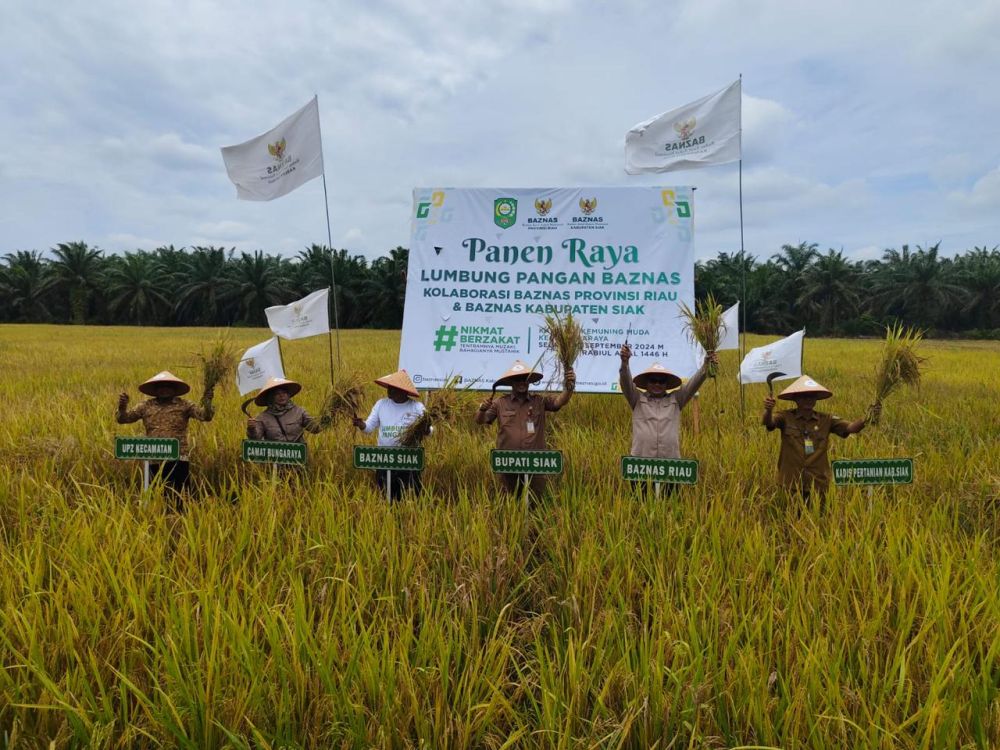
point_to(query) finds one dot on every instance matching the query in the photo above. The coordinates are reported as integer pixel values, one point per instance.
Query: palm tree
(829, 287)
(137, 286)
(25, 285)
(915, 286)
(314, 271)
(255, 282)
(201, 293)
(79, 272)
(978, 271)
(384, 291)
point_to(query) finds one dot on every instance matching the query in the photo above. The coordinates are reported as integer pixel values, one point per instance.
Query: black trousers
(401, 481)
(176, 476)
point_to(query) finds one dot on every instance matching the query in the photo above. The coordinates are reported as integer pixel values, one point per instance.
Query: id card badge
(531, 426)
(810, 448)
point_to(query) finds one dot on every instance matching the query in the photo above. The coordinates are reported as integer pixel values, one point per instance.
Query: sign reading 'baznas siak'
(487, 264)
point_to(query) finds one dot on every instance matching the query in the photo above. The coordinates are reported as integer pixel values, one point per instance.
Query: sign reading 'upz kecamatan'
(274, 452)
(526, 462)
(147, 449)
(670, 470)
(388, 458)
(874, 471)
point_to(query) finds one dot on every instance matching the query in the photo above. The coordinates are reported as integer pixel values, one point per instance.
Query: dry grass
(218, 362)
(565, 340)
(441, 408)
(899, 364)
(704, 325)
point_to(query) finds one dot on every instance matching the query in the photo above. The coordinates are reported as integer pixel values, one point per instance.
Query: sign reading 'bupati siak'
(147, 449)
(873, 471)
(526, 462)
(670, 470)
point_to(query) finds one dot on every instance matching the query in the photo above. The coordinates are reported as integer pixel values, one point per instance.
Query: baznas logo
(542, 207)
(297, 309)
(505, 212)
(685, 129)
(588, 205)
(277, 149)
(249, 362)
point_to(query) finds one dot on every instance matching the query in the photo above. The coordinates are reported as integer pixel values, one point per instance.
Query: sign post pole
(147, 449)
(388, 459)
(145, 475)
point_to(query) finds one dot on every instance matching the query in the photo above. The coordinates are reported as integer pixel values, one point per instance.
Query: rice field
(309, 613)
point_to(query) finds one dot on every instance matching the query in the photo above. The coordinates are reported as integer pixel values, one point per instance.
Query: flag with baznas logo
(699, 134)
(783, 355)
(310, 316)
(258, 364)
(275, 163)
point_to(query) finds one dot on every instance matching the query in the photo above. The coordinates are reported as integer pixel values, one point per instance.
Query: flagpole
(329, 244)
(743, 264)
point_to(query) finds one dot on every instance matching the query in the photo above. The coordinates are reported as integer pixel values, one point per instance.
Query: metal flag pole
(329, 244)
(743, 265)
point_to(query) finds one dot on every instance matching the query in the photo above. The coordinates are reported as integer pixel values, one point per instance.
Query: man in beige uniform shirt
(656, 414)
(521, 418)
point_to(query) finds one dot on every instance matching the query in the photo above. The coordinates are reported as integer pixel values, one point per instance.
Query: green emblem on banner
(147, 449)
(274, 452)
(526, 462)
(391, 458)
(873, 471)
(505, 212)
(670, 470)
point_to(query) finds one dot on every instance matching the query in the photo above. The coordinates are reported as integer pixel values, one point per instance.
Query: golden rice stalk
(704, 325)
(565, 339)
(218, 363)
(440, 409)
(899, 365)
(343, 398)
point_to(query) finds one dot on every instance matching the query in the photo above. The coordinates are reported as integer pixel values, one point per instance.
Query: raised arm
(487, 412)
(629, 390)
(126, 415)
(569, 385)
(686, 391)
(768, 419)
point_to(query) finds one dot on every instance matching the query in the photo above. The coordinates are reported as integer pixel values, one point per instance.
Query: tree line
(798, 286)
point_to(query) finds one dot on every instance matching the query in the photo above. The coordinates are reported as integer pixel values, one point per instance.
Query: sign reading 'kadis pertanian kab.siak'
(487, 264)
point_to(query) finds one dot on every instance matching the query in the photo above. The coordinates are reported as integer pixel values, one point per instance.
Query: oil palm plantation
(137, 288)
(78, 272)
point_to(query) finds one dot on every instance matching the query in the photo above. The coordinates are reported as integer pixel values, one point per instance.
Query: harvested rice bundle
(705, 326)
(343, 398)
(565, 339)
(440, 408)
(900, 364)
(218, 362)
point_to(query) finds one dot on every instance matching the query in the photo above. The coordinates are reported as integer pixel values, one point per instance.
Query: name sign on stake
(274, 452)
(670, 470)
(873, 471)
(388, 458)
(147, 449)
(526, 462)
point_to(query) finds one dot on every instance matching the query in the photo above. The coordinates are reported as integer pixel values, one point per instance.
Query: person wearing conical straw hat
(657, 397)
(283, 420)
(166, 415)
(803, 463)
(521, 416)
(390, 416)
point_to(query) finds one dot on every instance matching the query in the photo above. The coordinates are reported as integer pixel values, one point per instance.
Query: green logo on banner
(423, 210)
(505, 212)
(445, 338)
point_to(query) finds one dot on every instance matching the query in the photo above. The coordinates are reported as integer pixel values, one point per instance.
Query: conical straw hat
(673, 381)
(164, 378)
(272, 383)
(517, 371)
(399, 379)
(805, 386)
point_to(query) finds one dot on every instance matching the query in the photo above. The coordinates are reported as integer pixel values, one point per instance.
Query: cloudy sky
(866, 124)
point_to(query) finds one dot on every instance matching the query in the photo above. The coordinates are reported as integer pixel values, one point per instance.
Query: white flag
(277, 162)
(258, 363)
(783, 355)
(310, 316)
(698, 134)
(731, 328)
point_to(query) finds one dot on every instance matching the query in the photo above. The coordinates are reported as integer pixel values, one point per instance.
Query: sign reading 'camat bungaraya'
(486, 265)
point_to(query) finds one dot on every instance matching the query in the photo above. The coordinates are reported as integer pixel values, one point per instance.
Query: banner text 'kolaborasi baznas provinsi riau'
(487, 264)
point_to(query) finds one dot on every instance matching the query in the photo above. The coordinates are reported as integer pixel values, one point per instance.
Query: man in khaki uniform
(166, 415)
(521, 418)
(803, 463)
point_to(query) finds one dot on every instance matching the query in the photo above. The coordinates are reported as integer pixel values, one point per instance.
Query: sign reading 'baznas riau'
(147, 449)
(486, 265)
(274, 452)
(873, 471)
(669, 470)
(526, 462)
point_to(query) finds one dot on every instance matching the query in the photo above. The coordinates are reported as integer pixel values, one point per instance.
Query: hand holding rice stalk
(343, 397)
(441, 407)
(218, 362)
(565, 339)
(705, 326)
(900, 364)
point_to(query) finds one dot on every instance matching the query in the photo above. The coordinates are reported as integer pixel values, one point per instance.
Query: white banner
(731, 332)
(487, 264)
(280, 160)
(783, 355)
(699, 134)
(310, 316)
(258, 363)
